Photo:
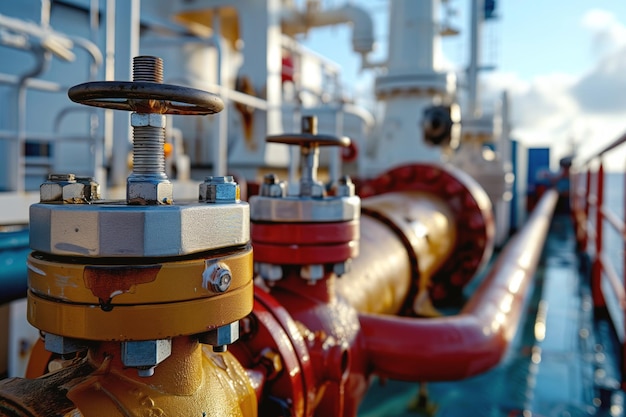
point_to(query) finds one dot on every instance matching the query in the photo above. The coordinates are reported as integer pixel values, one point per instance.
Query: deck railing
(592, 217)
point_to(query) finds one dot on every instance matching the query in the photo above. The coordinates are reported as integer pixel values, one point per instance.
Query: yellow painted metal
(380, 276)
(193, 381)
(137, 302)
(133, 284)
(425, 220)
(139, 322)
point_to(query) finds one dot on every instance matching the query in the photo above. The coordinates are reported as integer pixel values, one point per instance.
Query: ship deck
(564, 360)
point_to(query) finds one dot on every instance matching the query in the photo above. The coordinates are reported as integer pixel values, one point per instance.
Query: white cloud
(608, 33)
(600, 90)
(553, 109)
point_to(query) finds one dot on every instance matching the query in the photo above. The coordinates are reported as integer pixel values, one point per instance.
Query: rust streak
(108, 282)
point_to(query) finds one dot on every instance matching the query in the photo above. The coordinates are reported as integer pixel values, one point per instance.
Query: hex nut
(217, 275)
(219, 190)
(62, 188)
(147, 119)
(63, 345)
(276, 190)
(91, 189)
(269, 272)
(146, 353)
(344, 187)
(342, 268)
(318, 190)
(221, 336)
(312, 273)
(149, 191)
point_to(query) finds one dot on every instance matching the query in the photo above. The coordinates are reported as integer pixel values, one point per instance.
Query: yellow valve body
(136, 302)
(194, 381)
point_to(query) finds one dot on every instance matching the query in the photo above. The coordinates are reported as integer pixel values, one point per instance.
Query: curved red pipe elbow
(457, 347)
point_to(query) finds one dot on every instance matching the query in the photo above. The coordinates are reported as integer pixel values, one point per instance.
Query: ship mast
(473, 108)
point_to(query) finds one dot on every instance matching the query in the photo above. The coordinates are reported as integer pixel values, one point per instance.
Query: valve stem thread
(148, 157)
(148, 68)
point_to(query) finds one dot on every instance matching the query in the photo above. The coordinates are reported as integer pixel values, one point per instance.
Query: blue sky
(563, 62)
(540, 36)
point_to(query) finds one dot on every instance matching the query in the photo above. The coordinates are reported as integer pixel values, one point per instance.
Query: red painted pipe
(596, 270)
(457, 347)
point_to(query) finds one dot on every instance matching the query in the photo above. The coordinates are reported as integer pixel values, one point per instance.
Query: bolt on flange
(272, 187)
(219, 190)
(63, 345)
(69, 189)
(218, 276)
(310, 141)
(150, 100)
(221, 337)
(145, 355)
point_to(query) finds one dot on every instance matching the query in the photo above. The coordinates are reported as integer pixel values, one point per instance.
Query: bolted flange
(309, 142)
(312, 230)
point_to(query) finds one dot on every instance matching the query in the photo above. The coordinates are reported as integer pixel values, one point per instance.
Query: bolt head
(147, 119)
(91, 188)
(145, 371)
(269, 272)
(149, 191)
(217, 276)
(219, 190)
(318, 190)
(63, 345)
(341, 268)
(222, 281)
(221, 336)
(272, 187)
(312, 273)
(270, 179)
(64, 188)
(146, 353)
(344, 187)
(277, 189)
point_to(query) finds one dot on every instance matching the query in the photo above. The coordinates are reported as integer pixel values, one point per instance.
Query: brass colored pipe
(457, 347)
(380, 277)
(425, 220)
(405, 238)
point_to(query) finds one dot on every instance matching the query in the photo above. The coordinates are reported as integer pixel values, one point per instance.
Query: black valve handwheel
(308, 139)
(146, 97)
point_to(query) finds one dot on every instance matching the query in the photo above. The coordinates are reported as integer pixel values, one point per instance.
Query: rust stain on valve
(108, 282)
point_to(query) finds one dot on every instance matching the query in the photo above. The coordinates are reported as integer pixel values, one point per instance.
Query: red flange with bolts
(309, 228)
(471, 208)
(305, 243)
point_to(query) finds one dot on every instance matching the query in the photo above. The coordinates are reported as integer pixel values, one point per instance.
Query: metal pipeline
(405, 237)
(426, 230)
(457, 347)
